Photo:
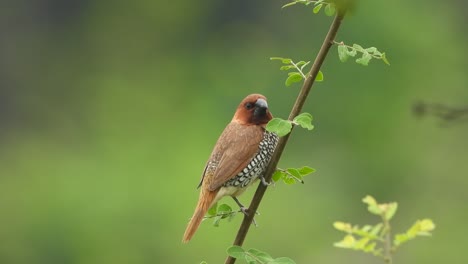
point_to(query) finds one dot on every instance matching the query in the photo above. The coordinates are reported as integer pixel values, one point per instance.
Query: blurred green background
(109, 111)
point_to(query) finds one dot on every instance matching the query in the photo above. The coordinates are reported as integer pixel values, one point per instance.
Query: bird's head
(253, 110)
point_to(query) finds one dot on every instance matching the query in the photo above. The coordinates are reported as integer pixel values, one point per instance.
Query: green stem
(387, 242)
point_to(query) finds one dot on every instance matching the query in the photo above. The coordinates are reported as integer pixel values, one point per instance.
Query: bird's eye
(249, 105)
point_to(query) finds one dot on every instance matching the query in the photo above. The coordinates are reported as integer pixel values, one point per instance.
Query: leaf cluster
(292, 175)
(297, 74)
(345, 51)
(255, 256)
(217, 213)
(374, 239)
(329, 7)
(283, 127)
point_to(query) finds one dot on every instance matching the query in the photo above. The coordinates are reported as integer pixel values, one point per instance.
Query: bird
(239, 158)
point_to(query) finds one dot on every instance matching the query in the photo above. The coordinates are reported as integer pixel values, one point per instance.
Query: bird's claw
(264, 182)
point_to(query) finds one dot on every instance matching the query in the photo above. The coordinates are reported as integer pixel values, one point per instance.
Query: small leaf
(400, 238)
(279, 126)
(358, 48)
(342, 226)
(283, 60)
(369, 200)
(277, 175)
(304, 120)
(372, 205)
(286, 67)
(306, 170)
(361, 243)
(224, 210)
(288, 179)
(343, 53)
(317, 8)
(370, 247)
(391, 210)
(330, 10)
(384, 58)
(213, 209)
(293, 78)
(347, 242)
(351, 52)
(376, 229)
(295, 174)
(289, 4)
(319, 77)
(371, 49)
(427, 225)
(364, 60)
(236, 252)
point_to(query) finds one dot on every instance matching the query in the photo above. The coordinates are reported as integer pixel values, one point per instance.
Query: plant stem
(301, 98)
(387, 242)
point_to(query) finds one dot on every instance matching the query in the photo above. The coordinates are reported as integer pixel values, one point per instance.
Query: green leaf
(330, 10)
(224, 210)
(361, 243)
(358, 48)
(342, 226)
(289, 4)
(391, 210)
(279, 126)
(282, 260)
(371, 50)
(370, 247)
(400, 239)
(372, 207)
(319, 77)
(288, 179)
(343, 53)
(364, 60)
(347, 242)
(283, 60)
(295, 174)
(376, 229)
(277, 175)
(427, 225)
(306, 170)
(213, 210)
(236, 252)
(293, 78)
(384, 59)
(351, 52)
(317, 8)
(304, 120)
(286, 67)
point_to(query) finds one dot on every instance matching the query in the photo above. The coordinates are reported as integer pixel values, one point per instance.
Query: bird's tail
(205, 201)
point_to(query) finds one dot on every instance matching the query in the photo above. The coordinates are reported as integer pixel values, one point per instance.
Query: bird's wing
(235, 148)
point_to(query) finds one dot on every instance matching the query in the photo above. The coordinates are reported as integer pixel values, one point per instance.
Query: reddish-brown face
(253, 110)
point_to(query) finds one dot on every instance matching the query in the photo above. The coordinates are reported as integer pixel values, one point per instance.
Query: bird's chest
(257, 165)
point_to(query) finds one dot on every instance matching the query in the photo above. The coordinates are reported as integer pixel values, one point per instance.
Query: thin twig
(387, 242)
(301, 98)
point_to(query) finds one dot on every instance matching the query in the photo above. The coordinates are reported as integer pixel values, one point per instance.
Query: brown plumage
(239, 157)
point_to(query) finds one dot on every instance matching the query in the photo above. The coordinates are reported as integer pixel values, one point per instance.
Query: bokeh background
(109, 110)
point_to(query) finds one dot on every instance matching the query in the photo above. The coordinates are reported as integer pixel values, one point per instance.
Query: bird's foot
(264, 182)
(244, 210)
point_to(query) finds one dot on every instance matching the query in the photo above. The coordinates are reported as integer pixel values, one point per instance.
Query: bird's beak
(261, 103)
(261, 107)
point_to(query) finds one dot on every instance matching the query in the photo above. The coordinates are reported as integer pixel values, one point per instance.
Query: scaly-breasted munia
(239, 157)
